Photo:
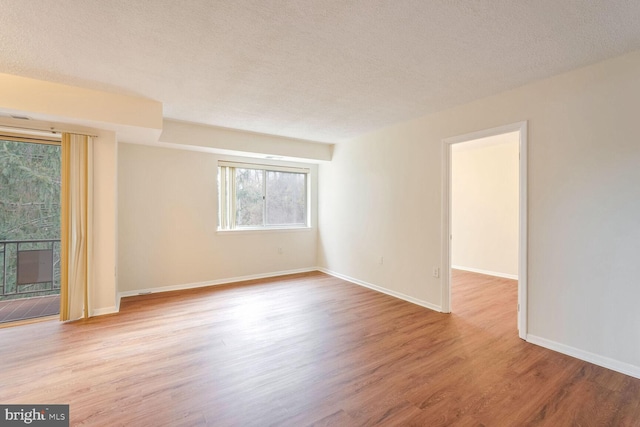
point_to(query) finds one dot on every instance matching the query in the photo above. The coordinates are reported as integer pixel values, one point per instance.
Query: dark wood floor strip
(309, 349)
(29, 308)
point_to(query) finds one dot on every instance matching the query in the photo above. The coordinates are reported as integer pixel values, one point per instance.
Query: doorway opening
(484, 219)
(30, 179)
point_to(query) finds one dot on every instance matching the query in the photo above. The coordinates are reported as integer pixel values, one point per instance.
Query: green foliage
(286, 198)
(29, 210)
(29, 191)
(249, 198)
(281, 200)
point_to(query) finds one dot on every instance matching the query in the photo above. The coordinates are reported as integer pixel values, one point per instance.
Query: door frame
(447, 144)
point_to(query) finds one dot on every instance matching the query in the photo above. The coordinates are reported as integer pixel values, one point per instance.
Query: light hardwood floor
(309, 350)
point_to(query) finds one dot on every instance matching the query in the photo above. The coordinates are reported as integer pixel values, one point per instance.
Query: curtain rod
(44, 132)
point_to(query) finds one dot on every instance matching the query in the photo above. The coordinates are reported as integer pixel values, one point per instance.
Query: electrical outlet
(280, 251)
(381, 260)
(436, 272)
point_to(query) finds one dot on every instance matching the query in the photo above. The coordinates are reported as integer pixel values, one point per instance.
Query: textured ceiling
(324, 70)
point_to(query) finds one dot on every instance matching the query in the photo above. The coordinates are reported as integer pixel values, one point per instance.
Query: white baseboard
(105, 310)
(605, 362)
(487, 272)
(395, 294)
(211, 282)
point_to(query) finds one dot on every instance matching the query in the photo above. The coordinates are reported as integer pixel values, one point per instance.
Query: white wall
(155, 206)
(131, 117)
(381, 195)
(240, 143)
(167, 220)
(110, 117)
(484, 205)
(105, 156)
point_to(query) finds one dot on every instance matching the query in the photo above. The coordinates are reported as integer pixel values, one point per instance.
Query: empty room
(256, 213)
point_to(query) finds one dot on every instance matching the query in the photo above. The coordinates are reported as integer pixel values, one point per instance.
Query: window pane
(286, 198)
(249, 201)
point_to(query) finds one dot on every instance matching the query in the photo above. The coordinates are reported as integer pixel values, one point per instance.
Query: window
(258, 196)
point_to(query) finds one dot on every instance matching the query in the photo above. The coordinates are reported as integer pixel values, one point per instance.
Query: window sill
(265, 230)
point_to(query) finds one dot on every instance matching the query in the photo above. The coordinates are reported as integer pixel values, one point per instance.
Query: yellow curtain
(77, 162)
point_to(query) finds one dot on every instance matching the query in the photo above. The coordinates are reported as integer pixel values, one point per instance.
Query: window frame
(226, 182)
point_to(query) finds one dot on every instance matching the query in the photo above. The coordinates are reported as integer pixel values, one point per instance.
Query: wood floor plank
(309, 349)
